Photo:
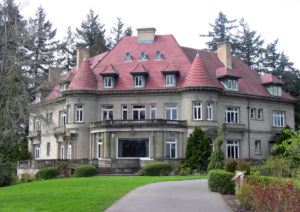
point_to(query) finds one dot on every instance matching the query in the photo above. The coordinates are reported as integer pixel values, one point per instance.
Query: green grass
(74, 194)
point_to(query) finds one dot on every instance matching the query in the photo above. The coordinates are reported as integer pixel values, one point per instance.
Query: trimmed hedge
(220, 181)
(47, 173)
(85, 171)
(154, 169)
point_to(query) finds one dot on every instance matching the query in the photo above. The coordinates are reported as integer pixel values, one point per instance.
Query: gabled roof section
(270, 79)
(139, 69)
(109, 70)
(197, 76)
(170, 68)
(93, 61)
(84, 79)
(226, 72)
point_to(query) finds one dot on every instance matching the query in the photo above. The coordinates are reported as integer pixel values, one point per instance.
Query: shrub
(6, 174)
(64, 168)
(220, 181)
(230, 165)
(28, 180)
(85, 171)
(47, 173)
(176, 167)
(154, 169)
(243, 165)
(185, 172)
(217, 157)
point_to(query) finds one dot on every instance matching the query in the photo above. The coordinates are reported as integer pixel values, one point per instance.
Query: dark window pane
(142, 114)
(135, 114)
(173, 150)
(133, 147)
(152, 114)
(174, 114)
(168, 150)
(168, 114)
(124, 115)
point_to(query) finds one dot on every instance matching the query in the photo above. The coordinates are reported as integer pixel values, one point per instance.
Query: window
(62, 119)
(278, 119)
(170, 80)
(209, 114)
(232, 115)
(62, 152)
(37, 124)
(128, 56)
(153, 112)
(277, 91)
(259, 114)
(232, 149)
(69, 114)
(232, 85)
(37, 151)
(171, 148)
(124, 112)
(139, 112)
(143, 56)
(212, 145)
(108, 82)
(133, 148)
(257, 147)
(138, 81)
(38, 98)
(107, 113)
(99, 149)
(197, 108)
(158, 55)
(252, 113)
(48, 149)
(171, 112)
(70, 151)
(63, 87)
(79, 113)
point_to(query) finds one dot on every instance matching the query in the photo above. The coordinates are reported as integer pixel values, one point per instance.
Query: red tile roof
(225, 72)
(109, 69)
(170, 67)
(139, 69)
(84, 79)
(270, 78)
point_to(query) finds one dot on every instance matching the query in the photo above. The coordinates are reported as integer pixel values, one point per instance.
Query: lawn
(74, 194)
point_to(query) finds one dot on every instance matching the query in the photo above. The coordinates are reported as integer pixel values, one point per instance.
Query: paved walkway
(189, 195)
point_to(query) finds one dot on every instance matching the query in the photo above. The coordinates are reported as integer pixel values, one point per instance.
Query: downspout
(248, 108)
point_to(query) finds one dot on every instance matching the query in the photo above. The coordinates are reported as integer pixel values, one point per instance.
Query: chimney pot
(54, 74)
(146, 35)
(224, 53)
(81, 54)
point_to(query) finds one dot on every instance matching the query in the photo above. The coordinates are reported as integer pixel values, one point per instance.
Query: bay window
(62, 118)
(209, 111)
(171, 148)
(79, 113)
(197, 110)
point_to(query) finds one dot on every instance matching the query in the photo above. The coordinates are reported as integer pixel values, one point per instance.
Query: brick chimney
(146, 35)
(54, 74)
(224, 53)
(81, 54)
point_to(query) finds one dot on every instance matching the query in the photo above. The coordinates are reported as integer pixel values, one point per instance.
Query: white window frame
(170, 80)
(278, 118)
(234, 112)
(37, 152)
(63, 87)
(108, 82)
(79, 113)
(109, 109)
(275, 91)
(69, 112)
(279, 91)
(99, 149)
(257, 147)
(153, 109)
(62, 151)
(234, 85)
(38, 98)
(171, 108)
(139, 111)
(229, 85)
(62, 118)
(209, 111)
(197, 110)
(259, 114)
(37, 124)
(124, 109)
(70, 150)
(235, 144)
(171, 142)
(252, 113)
(138, 81)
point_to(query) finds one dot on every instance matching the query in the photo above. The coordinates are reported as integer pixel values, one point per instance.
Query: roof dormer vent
(146, 35)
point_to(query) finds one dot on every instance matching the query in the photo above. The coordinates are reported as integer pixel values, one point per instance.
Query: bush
(185, 172)
(243, 165)
(230, 165)
(220, 181)
(6, 174)
(28, 180)
(47, 173)
(154, 169)
(85, 171)
(176, 167)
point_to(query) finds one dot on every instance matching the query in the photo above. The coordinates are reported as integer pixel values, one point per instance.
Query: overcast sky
(186, 20)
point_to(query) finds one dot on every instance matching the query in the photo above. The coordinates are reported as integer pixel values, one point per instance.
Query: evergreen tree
(117, 30)
(221, 31)
(271, 57)
(44, 46)
(92, 35)
(197, 150)
(285, 134)
(69, 50)
(218, 156)
(128, 32)
(248, 47)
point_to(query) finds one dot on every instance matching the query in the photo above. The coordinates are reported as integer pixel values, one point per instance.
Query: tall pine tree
(69, 50)
(221, 31)
(117, 30)
(128, 31)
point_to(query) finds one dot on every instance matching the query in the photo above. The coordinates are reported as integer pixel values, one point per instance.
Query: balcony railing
(140, 122)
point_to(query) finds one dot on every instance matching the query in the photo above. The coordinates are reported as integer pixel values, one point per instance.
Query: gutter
(248, 108)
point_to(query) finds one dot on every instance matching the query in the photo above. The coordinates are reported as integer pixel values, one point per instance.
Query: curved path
(189, 195)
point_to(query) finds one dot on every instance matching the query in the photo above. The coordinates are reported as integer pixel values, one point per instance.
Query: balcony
(139, 123)
(234, 127)
(34, 134)
(60, 130)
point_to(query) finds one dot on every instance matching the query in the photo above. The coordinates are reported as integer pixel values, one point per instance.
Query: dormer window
(232, 85)
(128, 57)
(277, 91)
(109, 75)
(139, 81)
(143, 57)
(170, 80)
(273, 84)
(108, 82)
(63, 87)
(38, 98)
(158, 56)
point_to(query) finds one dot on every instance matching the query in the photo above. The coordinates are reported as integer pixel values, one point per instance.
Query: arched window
(212, 144)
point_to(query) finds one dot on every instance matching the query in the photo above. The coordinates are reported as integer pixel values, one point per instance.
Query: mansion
(144, 97)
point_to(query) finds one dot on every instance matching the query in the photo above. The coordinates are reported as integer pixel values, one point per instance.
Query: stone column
(113, 145)
(159, 145)
(152, 145)
(106, 145)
